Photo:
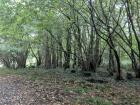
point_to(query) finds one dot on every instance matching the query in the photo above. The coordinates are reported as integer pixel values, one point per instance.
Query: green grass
(96, 101)
(102, 87)
(80, 90)
(29, 73)
(92, 101)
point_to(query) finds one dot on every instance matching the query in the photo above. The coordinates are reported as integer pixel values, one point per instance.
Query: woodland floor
(55, 87)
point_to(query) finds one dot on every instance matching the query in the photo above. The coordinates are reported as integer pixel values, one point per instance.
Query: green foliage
(102, 88)
(96, 101)
(43, 25)
(79, 89)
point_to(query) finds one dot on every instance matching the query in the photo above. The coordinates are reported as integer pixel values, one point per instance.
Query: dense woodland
(79, 34)
(69, 52)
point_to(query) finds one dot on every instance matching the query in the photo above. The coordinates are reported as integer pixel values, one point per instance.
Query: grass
(93, 101)
(73, 83)
(31, 74)
(102, 87)
(79, 89)
(37, 73)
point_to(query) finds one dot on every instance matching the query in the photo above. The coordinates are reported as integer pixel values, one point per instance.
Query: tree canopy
(83, 34)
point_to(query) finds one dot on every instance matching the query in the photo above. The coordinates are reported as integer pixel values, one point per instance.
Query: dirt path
(12, 91)
(18, 91)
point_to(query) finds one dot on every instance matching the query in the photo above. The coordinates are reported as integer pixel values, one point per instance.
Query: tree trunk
(21, 59)
(39, 59)
(67, 54)
(137, 71)
(111, 66)
(119, 74)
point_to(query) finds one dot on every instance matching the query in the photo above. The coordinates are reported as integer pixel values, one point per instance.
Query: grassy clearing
(31, 74)
(40, 74)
